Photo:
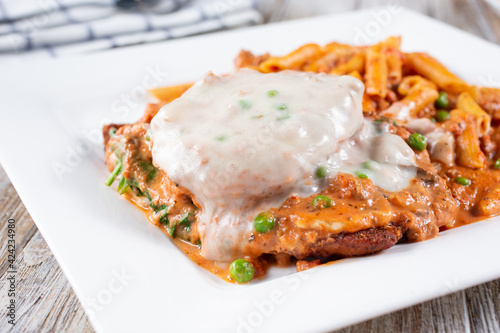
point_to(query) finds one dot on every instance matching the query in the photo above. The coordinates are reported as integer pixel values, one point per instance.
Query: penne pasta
(295, 60)
(323, 64)
(355, 63)
(468, 150)
(391, 48)
(246, 59)
(418, 93)
(466, 103)
(430, 68)
(393, 42)
(168, 94)
(151, 111)
(488, 99)
(356, 74)
(394, 66)
(376, 72)
(335, 53)
(368, 103)
(342, 48)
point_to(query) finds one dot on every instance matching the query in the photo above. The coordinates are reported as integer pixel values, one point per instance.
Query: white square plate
(127, 273)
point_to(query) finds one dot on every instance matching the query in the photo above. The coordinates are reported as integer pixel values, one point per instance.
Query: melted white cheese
(385, 158)
(245, 142)
(441, 143)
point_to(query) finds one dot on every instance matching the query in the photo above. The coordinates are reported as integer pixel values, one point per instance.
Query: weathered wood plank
(492, 18)
(445, 314)
(45, 302)
(12, 207)
(483, 304)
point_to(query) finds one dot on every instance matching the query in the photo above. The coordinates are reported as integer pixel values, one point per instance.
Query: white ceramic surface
(128, 275)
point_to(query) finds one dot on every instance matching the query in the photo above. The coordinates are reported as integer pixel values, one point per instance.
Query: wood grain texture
(46, 302)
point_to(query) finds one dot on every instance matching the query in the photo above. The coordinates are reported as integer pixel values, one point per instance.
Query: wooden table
(47, 303)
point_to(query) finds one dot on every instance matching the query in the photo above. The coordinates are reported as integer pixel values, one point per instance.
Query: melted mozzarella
(441, 143)
(385, 158)
(245, 142)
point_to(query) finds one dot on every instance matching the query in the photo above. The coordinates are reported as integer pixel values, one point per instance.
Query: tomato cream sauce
(245, 142)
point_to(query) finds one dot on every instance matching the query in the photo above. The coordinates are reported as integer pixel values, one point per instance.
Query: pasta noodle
(368, 104)
(335, 54)
(394, 66)
(355, 63)
(295, 60)
(468, 148)
(394, 59)
(168, 94)
(376, 72)
(418, 93)
(489, 99)
(466, 103)
(433, 70)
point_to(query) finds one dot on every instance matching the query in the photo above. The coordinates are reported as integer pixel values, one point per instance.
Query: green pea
(281, 106)
(417, 142)
(463, 181)
(361, 174)
(244, 104)
(442, 115)
(264, 222)
(321, 172)
(442, 102)
(272, 93)
(497, 164)
(321, 201)
(241, 271)
(221, 138)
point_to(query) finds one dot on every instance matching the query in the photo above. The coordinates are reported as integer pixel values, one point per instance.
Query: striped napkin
(62, 27)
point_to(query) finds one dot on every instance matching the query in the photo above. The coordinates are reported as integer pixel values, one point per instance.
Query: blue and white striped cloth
(62, 27)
